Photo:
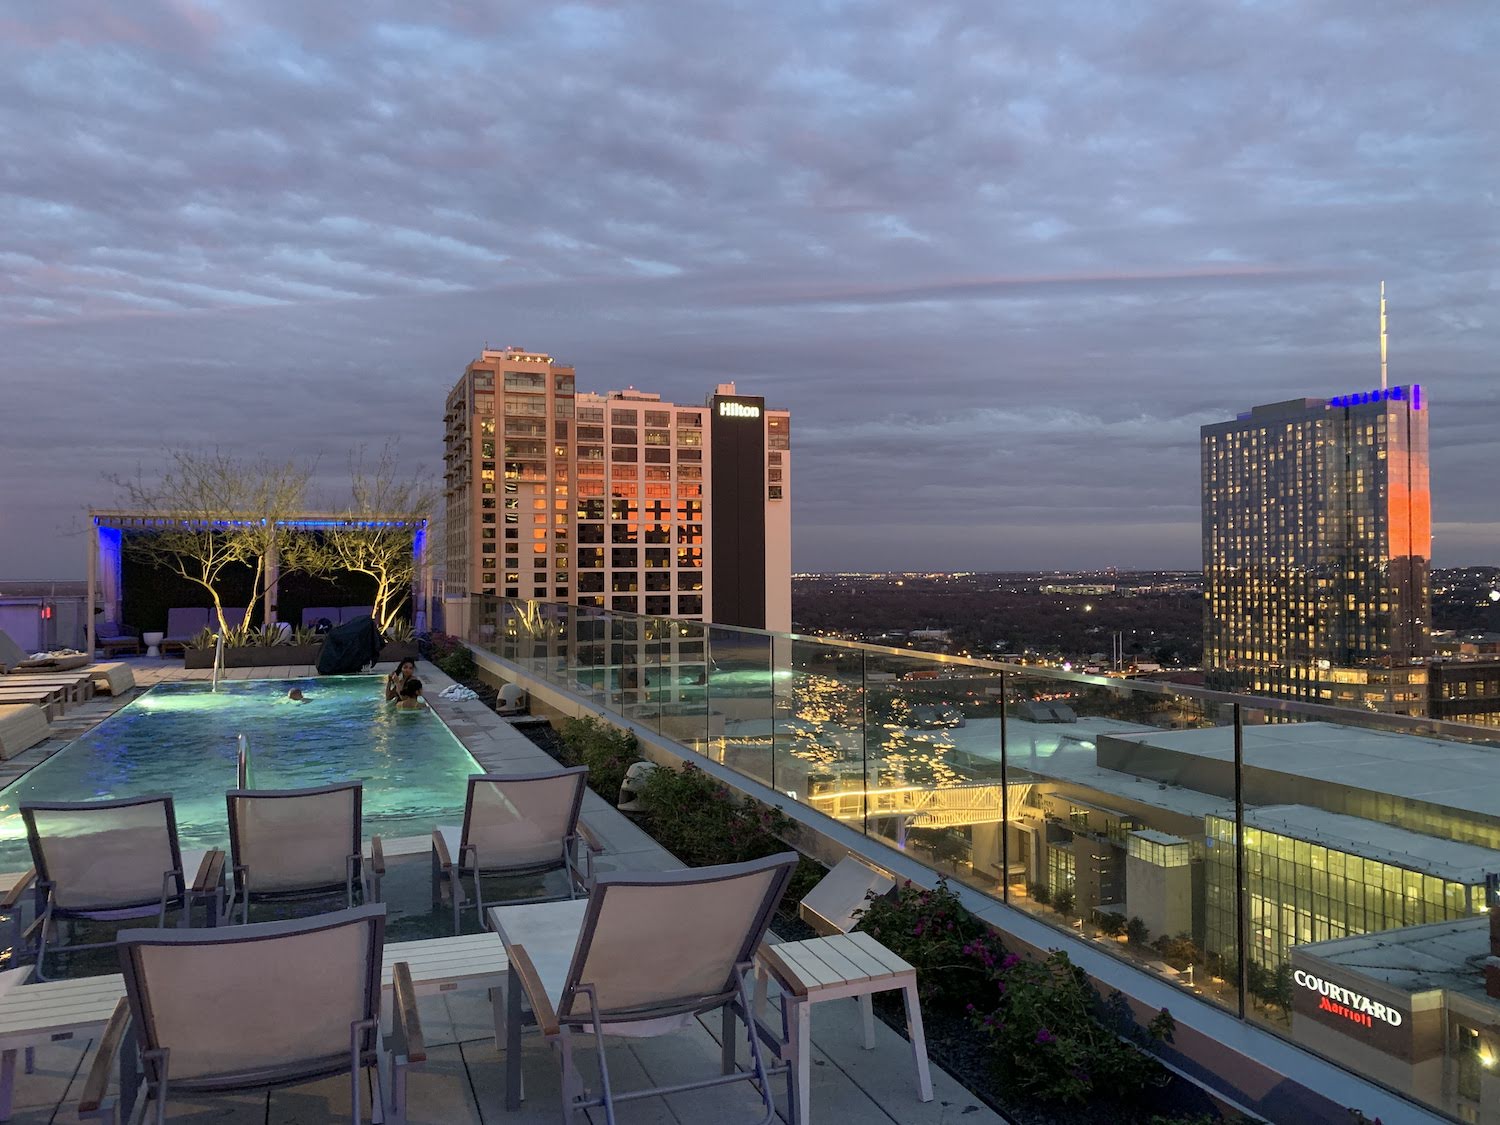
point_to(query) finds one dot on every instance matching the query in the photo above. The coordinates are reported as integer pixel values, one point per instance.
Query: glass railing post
(1241, 927)
(1004, 804)
(864, 741)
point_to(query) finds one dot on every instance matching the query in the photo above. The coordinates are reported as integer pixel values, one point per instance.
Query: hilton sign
(738, 410)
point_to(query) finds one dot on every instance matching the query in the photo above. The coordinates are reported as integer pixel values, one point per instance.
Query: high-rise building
(619, 501)
(1317, 540)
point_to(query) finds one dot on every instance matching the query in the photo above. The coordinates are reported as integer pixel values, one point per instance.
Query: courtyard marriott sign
(1346, 1003)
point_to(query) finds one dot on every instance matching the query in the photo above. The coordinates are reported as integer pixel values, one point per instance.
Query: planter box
(253, 656)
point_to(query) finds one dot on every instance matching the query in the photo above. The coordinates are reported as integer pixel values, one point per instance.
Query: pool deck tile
(463, 1079)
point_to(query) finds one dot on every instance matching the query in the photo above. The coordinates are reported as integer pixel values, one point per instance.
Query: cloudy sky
(1001, 261)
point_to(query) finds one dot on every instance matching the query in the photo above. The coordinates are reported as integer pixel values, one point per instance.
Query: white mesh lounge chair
(111, 860)
(652, 951)
(514, 825)
(248, 1007)
(291, 844)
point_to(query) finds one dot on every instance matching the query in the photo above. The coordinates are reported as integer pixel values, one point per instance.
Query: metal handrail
(242, 764)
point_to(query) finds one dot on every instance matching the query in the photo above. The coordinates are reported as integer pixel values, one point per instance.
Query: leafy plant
(451, 655)
(271, 633)
(306, 635)
(1039, 893)
(702, 822)
(400, 632)
(953, 952)
(1179, 952)
(1137, 932)
(1053, 1039)
(607, 751)
(1062, 902)
(204, 638)
(1110, 923)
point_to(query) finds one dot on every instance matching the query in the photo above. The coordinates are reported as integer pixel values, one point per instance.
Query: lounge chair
(300, 844)
(183, 625)
(514, 825)
(112, 637)
(248, 1007)
(22, 726)
(643, 956)
(115, 677)
(349, 613)
(111, 860)
(313, 614)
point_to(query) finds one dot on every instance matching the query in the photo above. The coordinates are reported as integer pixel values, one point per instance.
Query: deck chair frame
(454, 868)
(133, 1015)
(562, 1023)
(176, 892)
(357, 871)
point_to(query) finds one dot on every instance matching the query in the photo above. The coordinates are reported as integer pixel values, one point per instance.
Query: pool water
(182, 739)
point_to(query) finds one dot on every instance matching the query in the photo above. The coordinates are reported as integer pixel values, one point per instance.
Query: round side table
(153, 643)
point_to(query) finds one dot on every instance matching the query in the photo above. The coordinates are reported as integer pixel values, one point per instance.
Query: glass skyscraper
(1317, 541)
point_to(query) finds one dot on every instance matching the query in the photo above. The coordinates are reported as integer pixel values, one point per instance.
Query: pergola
(109, 525)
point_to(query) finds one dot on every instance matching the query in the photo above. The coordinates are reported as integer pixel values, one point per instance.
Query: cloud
(1001, 264)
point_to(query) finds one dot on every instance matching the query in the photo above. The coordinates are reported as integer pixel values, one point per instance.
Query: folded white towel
(457, 693)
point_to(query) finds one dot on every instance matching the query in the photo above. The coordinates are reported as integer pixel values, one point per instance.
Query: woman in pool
(411, 695)
(397, 679)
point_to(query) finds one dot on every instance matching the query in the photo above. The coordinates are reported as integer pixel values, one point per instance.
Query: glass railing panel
(1108, 839)
(931, 742)
(654, 689)
(818, 731)
(624, 671)
(588, 656)
(1368, 842)
(684, 683)
(740, 700)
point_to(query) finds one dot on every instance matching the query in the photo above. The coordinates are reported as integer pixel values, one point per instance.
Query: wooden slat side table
(830, 968)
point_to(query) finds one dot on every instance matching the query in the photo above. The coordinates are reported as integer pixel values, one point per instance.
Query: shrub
(1039, 893)
(952, 951)
(1137, 932)
(607, 751)
(1062, 902)
(1053, 1039)
(1179, 951)
(702, 823)
(451, 655)
(1110, 923)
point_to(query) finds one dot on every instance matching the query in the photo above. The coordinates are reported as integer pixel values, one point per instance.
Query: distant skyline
(1000, 263)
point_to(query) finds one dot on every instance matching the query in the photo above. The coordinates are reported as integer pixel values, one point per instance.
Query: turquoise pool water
(181, 739)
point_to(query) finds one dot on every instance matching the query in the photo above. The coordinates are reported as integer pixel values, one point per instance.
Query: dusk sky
(1000, 261)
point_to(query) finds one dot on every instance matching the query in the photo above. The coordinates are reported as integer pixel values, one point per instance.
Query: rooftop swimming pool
(182, 739)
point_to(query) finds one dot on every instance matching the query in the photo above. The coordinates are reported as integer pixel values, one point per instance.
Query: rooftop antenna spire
(1382, 338)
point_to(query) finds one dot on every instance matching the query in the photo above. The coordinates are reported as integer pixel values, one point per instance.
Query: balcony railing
(1305, 826)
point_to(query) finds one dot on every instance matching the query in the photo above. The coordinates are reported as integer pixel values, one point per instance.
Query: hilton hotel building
(1317, 541)
(618, 501)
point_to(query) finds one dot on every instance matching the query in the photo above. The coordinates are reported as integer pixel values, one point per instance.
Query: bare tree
(375, 531)
(210, 513)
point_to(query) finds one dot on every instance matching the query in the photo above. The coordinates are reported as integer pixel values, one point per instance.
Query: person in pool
(296, 696)
(411, 695)
(397, 679)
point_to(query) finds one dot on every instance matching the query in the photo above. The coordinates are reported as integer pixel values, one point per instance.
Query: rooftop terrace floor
(462, 1081)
